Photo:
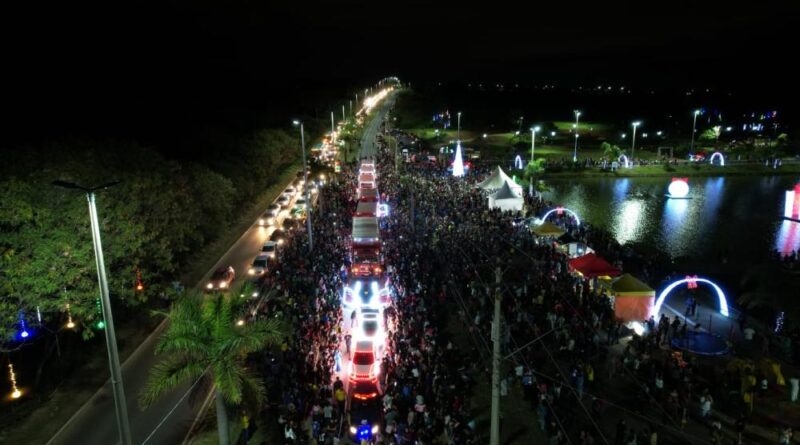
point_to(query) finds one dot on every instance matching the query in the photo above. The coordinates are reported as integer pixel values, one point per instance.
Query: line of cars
(365, 295)
(285, 215)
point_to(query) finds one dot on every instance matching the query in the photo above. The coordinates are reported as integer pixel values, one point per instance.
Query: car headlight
(353, 430)
(261, 221)
(223, 285)
(210, 286)
(251, 271)
(280, 241)
(255, 294)
(375, 429)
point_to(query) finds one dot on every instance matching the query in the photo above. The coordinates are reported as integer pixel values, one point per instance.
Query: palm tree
(207, 339)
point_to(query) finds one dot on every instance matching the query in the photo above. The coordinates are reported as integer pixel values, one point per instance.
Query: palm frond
(253, 391)
(166, 375)
(184, 344)
(255, 336)
(228, 377)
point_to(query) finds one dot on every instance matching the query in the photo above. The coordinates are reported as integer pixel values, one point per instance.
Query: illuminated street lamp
(694, 128)
(633, 139)
(575, 150)
(533, 140)
(305, 183)
(107, 321)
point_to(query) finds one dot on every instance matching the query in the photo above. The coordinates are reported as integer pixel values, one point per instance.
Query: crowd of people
(448, 257)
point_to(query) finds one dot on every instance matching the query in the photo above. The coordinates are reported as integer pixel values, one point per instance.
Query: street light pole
(494, 435)
(344, 118)
(575, 150)
(633, 140)
(333, 129)
(305, 185)
(458, 132)
(533, 141)
(694, 126)
(117, 388)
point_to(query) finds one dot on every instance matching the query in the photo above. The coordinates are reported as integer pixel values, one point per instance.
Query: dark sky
(87, 58)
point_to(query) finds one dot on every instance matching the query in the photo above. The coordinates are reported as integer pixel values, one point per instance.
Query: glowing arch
(575, 215)
(723, 302)
(518, 163)
(627, 162)
(721, 159)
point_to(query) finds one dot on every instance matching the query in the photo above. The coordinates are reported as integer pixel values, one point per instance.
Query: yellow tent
(548, 229)
(633, 299)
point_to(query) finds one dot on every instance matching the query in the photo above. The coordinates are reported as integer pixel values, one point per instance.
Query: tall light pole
(494, 432)
(633, 139)
(575, 150)
(305, 185)
(694, 126)
(458, 132)
(120, 404)
(533, 140)
(333, 129)
(351, 107)
(344, 118)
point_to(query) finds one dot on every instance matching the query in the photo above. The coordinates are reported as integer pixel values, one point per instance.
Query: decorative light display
(458, 164)
(70, 323)
(38, 315)
(15, 392)
(715, 156)
(779, 322)
(560, 211)
(101, 324)
(23, 327)
(678, 188)
(627, 163)
(791, 207)
(518, 163)
(723, 302)
(139, 283)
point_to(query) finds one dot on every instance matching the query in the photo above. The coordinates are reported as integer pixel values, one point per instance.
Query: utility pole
(333, 129)
(494, 436)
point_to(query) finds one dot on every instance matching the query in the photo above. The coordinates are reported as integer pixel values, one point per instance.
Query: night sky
(73, 64)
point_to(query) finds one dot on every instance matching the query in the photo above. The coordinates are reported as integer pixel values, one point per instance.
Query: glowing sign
(723, 302)
(560, 211)
(791, 208)
(383, 210)
(717, 155)
(679, 188)
(692, 281)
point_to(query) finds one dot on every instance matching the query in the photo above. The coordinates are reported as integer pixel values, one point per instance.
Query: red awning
(591, 266)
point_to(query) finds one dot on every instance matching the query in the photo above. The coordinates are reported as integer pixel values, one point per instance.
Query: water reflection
(787, 239)
(737, 215)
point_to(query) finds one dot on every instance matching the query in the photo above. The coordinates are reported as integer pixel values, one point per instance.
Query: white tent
(495, 181)
(506, 199)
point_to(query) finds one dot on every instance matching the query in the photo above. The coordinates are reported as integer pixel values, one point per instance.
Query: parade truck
(366, 258)
(368, 194)
(366, 181)
(367, 208)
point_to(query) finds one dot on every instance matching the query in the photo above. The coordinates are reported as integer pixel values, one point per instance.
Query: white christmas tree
(458, 164)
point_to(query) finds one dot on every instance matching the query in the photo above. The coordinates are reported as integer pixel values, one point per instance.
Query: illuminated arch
(518, 163)
(627, 162)
(721, 159)
(575, 215)
(723, 302)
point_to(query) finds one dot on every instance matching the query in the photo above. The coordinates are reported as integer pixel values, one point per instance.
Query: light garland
(15, 392)
(70, 323)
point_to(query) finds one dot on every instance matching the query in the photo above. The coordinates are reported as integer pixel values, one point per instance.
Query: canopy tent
(575, 249)
(592, 266)
(633, 299)
(495, 181)
(506, 199)
(548, 229)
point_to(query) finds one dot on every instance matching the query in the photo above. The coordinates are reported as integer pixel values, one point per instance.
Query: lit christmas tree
(458, 164)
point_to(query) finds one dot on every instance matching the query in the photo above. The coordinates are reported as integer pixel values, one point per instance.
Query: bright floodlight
(636, 124)
(296, 122)
(535, 129)
(678, 188)
(696, 112)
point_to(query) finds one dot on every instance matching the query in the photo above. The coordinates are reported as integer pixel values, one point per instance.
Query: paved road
(368, 148)
(95, 423)
(168, 420)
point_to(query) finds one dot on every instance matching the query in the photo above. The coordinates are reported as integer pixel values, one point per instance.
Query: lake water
(738, 215)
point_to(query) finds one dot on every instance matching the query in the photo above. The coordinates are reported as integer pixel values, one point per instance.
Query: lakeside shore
(691, 170)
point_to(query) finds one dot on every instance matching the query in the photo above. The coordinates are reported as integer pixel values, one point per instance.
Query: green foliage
(150, 223)
(610, 151)
(534, 168)
(205, 340)
(712, 134)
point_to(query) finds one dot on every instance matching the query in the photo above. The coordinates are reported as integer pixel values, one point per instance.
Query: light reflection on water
(736, 215)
